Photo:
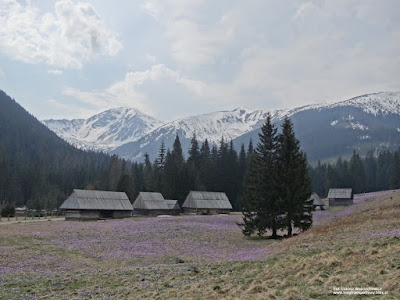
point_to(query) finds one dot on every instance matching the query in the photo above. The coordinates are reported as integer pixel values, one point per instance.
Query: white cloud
(142, 90)
(309, 71)
(1, 73)
(196, 37)
(55, 72)
(72, 35)
(151, 58)
(60, 110)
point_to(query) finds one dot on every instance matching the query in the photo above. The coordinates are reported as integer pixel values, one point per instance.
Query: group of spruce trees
(277, 185)
(207, 167)
(374, 172)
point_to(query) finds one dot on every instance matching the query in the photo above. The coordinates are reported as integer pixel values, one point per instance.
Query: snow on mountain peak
(106, 130)
(118, 126)
(381, 103)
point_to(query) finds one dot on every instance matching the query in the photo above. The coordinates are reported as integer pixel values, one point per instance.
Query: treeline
(368, 174)
(208, 167)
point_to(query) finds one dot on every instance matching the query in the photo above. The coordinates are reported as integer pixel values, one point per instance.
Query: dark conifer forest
(39, 169)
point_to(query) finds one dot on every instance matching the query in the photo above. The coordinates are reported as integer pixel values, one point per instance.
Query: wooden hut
(340, 197)
(174, 207)
(316, 201)
(207, 203)
(94, 205)
(151, 204)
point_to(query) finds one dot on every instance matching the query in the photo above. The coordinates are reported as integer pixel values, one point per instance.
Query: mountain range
(325, 130)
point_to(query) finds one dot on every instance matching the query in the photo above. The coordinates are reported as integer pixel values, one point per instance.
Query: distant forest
(40, 170)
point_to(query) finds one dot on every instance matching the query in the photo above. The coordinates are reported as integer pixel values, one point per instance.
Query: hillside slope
(38, 166)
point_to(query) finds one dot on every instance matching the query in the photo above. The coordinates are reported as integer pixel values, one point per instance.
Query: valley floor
(206, 257)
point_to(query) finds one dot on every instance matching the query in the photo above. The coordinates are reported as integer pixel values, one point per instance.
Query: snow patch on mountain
(333, 123)
(364, 137)
(382, 103)
(105, 131)
(356, 126)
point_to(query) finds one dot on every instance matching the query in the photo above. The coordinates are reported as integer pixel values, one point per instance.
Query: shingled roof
(207, 200)
(150, 201)
(315, 199)
(340, 194)
(97, 200)
(172, 204)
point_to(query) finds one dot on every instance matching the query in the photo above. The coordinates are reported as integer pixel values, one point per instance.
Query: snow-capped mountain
(105, 131)
(382, 103)
(318, 126)
(213, 126)
(325, 130)
(332, 129)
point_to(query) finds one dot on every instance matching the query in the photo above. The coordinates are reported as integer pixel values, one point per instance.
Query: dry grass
(358, 250)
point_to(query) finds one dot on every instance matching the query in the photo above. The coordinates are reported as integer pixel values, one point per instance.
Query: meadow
(205, 257)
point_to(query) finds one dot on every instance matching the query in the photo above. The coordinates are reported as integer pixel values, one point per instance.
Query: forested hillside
(38, 168)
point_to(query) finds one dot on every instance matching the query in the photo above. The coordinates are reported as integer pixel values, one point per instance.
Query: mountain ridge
(105, 131)
(242, 121)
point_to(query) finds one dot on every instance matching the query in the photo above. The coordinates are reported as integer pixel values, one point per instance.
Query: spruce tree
(125, 184)
(205, 166)
(158, 168)
(394, 173)
(260, 206)
(193, 165)
(357, 173)
(293, 181)
(147, 174)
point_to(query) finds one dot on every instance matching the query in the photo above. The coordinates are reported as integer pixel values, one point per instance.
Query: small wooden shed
(316, 201)
(152, 204)
(340, 197)
(207, 203)
(173, 205)
(94, 205)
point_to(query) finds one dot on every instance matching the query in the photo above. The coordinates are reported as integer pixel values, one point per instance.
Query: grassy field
(204, 257)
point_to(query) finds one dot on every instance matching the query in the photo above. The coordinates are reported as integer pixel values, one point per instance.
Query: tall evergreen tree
(260, 200)
(293, 180)
(194, 151)
(125, 184)
(114, 173)
(205, 167)
(394, 175)
(159, 165)
(370, 172)
(193, 165)
(357, 173)
(147, 174)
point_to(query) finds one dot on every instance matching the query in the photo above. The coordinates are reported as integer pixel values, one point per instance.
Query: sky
(177, 58)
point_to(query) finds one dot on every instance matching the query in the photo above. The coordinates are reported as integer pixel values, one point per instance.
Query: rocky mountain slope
(105, 131)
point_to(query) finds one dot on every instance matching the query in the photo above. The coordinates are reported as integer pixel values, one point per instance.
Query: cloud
(195, 36)
(60, 110)
(69, 37)
(309, 71)
(1, 73)
(55, 72)
(151, 58)
(142, 90)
